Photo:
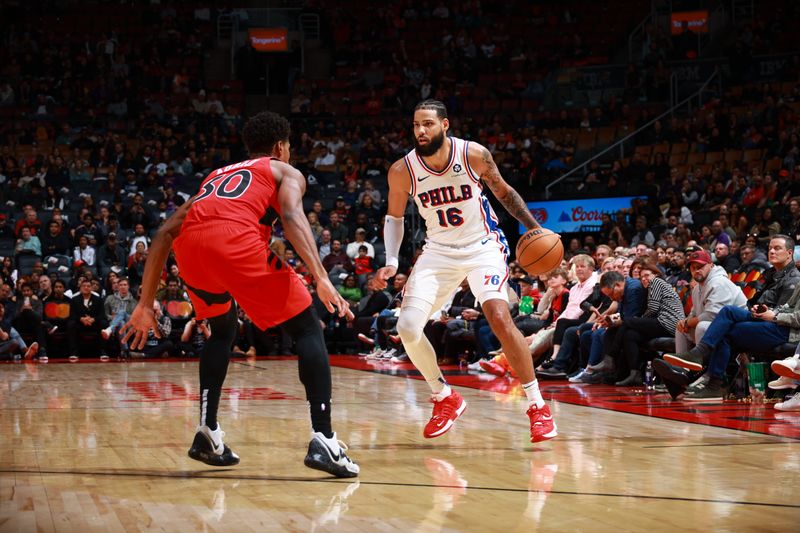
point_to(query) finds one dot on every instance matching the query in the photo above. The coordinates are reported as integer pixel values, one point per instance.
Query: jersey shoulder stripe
(411, 176)
(470, 172)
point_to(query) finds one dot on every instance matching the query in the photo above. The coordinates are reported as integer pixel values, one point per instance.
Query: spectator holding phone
(194, 337)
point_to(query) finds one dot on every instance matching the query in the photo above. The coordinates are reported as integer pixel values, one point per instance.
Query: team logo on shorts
(456, 168)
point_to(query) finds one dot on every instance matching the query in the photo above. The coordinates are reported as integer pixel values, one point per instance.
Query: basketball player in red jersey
(221, 242)
(445, 177)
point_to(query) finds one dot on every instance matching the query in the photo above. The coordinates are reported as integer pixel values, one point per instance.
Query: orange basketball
(539, 251)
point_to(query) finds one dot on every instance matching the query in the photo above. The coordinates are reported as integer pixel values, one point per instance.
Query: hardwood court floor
(99, 447)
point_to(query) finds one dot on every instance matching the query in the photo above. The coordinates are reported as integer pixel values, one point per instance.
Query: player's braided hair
(436, 105)
(263, 131)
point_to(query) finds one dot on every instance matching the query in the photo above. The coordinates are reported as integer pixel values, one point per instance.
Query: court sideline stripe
(762, 443)
(200, 475)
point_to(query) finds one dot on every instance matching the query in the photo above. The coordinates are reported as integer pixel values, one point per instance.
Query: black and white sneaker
(208, 448)
(328, 455)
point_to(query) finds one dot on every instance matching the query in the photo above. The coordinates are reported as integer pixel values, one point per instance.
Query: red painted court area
(167, 391)
(755, 418)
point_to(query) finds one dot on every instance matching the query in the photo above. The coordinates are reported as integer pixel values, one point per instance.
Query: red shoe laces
(538, 414)
(444, 408)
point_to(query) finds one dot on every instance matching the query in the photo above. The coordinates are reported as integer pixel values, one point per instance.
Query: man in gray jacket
(118, 307)
(713, 291)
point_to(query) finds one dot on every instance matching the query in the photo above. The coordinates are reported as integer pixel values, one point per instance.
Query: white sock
(444, 393)
(532, 393)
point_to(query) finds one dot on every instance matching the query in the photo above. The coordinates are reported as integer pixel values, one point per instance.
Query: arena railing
(620, 144)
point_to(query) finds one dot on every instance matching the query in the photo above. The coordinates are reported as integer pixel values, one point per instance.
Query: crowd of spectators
(103, 136)
(627, 306)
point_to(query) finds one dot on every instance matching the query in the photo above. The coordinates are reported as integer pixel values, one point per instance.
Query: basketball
(539, 251)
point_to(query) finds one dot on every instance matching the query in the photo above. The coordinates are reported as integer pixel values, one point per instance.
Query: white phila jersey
(452, 203)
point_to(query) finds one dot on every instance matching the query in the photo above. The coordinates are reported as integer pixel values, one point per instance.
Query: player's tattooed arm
(504, 193)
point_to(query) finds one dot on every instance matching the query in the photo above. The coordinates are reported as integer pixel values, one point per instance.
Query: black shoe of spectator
(593, 379)
(633, 379)
(606, 365)
(611, 378)
(552, 372)
(675, 378)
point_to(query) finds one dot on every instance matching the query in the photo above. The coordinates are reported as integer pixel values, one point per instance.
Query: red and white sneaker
(366, 340)
(31, 352)
(492, 368)
(543, 427)
(444, 414)
(787, 368)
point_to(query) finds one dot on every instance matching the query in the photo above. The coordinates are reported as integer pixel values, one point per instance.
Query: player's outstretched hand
(383, 275)
(134, 332)
(331, 298)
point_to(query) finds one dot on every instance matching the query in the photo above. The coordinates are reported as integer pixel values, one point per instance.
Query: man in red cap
(714, 290)
(735, 329)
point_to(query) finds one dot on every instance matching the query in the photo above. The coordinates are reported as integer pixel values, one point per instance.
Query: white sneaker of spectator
(792, 404)
(388, 354)
(577, 377)
(401, 358)
(783, 383)
(476, 366)
(376, 353)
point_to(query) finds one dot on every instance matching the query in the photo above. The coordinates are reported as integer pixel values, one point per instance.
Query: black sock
(321, 418)
(315, 370)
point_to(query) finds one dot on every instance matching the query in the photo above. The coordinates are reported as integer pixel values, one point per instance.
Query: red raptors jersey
(244, 193)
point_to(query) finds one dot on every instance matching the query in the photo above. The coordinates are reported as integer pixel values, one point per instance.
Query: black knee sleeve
(315, 371)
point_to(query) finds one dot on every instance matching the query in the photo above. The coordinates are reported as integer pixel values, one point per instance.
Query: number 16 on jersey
(450, 217)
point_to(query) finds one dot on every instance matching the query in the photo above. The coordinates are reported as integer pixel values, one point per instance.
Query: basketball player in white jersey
(445, 177)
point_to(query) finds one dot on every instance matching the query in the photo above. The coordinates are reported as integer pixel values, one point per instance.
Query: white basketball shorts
(440, 269)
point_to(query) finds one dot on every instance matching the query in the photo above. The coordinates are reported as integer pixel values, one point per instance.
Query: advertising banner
(698, 21)
(580, 215)
(269, 39)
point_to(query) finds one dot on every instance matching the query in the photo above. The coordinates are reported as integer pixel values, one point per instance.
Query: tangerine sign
(269, 39)
(697, 21)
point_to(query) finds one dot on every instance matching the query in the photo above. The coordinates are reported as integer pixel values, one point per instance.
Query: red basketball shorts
(218, 263)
